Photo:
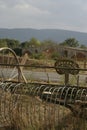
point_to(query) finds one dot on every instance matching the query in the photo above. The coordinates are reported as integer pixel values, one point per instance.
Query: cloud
(64, 14)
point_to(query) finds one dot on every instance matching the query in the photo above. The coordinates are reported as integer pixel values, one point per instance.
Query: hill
(58, 35)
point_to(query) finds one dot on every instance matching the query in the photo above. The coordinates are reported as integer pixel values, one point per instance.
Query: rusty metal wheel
(9, 66)
(68, 66)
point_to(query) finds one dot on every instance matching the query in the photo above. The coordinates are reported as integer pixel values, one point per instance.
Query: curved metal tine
(77, 94)
(56, 97)
(71, 95)
(1, 85)
(20, 88)
(86, 95)
(17, 86)
(16, 96)
(67, 92)
(63, 88)
(60, 97)
(82, 94)
(52, 94)
(9, 87)
(31, 89)
(46, 88)
(39, 92)
(12, 87)
(49, 93)
(51, 108)
(4, 85)
(25, 89)
(56, 101)
(35, 91)
(31, 104)
(56, 108)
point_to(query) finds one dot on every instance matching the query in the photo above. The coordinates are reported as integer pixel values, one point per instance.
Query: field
(42, 104)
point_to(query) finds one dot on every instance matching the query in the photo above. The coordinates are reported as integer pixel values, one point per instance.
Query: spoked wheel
(9, 66)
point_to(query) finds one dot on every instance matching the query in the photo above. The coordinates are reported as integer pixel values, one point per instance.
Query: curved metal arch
(20, 73)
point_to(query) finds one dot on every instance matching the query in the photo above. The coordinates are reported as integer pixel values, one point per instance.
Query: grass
(32, 114)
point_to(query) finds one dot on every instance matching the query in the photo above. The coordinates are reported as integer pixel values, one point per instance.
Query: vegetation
(11, 43)
(71, 42)
(29, 110)
(39, 49)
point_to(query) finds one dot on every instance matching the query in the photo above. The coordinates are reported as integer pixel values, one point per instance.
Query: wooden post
(66, 78)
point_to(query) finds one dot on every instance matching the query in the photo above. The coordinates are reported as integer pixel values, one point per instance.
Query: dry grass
(31, 113)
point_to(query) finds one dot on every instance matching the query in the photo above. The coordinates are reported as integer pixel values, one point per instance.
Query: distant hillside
(43, 34)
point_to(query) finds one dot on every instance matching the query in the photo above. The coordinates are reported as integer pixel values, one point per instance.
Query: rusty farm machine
(38, 106)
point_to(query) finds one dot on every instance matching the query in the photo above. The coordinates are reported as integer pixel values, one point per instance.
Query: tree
(18, 51)
(47, 44)
(71, 42)
(24, 45)
(3, 43)
(83, 46)
(12, 43)
(34, 42)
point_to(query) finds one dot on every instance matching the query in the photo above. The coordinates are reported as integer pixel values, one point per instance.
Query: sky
(44, 14)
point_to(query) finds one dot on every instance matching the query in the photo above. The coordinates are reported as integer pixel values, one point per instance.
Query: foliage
(24, 45)
(11, 43)
(48, 44)
(83, 46)
(3, 43)
(39, 49)
(55, 55)
(71, 42)
(18, 51)
(33, 41)
(38, 56)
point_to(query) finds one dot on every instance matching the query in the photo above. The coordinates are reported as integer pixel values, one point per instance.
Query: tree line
(18, 46)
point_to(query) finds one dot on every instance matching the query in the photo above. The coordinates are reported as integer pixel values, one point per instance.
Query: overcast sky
(57, 14)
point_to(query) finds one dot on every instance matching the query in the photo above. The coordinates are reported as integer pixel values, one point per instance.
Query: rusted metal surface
(71, 68)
